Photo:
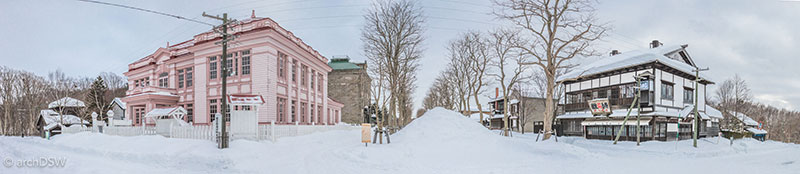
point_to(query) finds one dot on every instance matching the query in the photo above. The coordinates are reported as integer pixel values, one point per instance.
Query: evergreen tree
(96, 100)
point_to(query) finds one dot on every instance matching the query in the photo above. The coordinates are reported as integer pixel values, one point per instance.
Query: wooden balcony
(616, 103)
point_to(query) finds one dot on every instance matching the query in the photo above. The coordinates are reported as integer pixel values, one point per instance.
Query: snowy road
(439, 142)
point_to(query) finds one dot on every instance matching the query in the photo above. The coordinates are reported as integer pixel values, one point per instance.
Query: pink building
(265, 59)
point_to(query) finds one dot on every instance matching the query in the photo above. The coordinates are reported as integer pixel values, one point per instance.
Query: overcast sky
(756, 39)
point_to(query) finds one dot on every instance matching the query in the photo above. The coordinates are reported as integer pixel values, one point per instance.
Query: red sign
(600, 107)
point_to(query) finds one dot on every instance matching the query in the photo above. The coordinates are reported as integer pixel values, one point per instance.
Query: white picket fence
(76, 129)
(201, 132)
(129, 131)
(269, 132)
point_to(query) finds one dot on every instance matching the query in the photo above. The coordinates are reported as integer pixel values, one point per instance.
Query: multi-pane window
(303, 76)
(688, 95)
(313, 113)
(281, 65)
(320, 82)
(189, 77)
(229, 66)
(667, 91)
(163, 80)
(281, 109)
(212, 67)
(245, 65)
(313, 78)
(303, 107)
(180, 78)
(190, 113)
(212, 107)
(319, 113)
(294, 111)
(294, 70)
(138, 113)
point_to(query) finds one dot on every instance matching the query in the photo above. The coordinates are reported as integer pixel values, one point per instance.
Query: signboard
(672, 127)
(366, 129)
(600, 106)
(644, 85)
(238, 99)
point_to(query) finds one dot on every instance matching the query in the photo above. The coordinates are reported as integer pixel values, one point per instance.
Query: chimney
(253, 15)
(614, 52)
(655, 44)
(496, 92)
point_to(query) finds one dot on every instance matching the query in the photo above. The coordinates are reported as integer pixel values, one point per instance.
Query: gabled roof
(66, 102)
(631, 59)
(744, 118)
(119, 102)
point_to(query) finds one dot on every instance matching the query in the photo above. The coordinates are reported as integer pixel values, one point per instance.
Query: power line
(146, 10)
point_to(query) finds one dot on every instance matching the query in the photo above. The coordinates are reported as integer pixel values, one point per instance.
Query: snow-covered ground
(441, 141)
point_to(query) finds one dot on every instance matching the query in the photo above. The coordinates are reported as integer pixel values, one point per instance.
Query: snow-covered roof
(713, 112)
(687, 109)
(756, 130)
(630, 59)
(52, 119)
(744, 118)
(162, 112)
(155, 93)
(495, 116)
(66, 102)
(119, 102)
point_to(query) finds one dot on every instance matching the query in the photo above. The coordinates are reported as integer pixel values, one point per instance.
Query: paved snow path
(439, 142)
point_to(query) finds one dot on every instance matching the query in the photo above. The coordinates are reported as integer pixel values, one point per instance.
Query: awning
(631, 122)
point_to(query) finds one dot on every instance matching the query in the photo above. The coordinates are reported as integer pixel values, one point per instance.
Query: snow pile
(441, 141)
(442, 125)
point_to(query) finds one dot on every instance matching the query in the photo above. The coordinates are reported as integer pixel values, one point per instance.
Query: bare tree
(392, 36)
(420, 112)
(508, 66)
(733, 96)
(8, 96)
(478, 55)
(558, 31)
(440, 94)
(62, 86)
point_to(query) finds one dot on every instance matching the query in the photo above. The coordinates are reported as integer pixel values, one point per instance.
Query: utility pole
(639, 78)
(223, 143)
(697, 117)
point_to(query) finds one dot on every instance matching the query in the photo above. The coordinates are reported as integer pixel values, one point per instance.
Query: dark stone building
(350, 84)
